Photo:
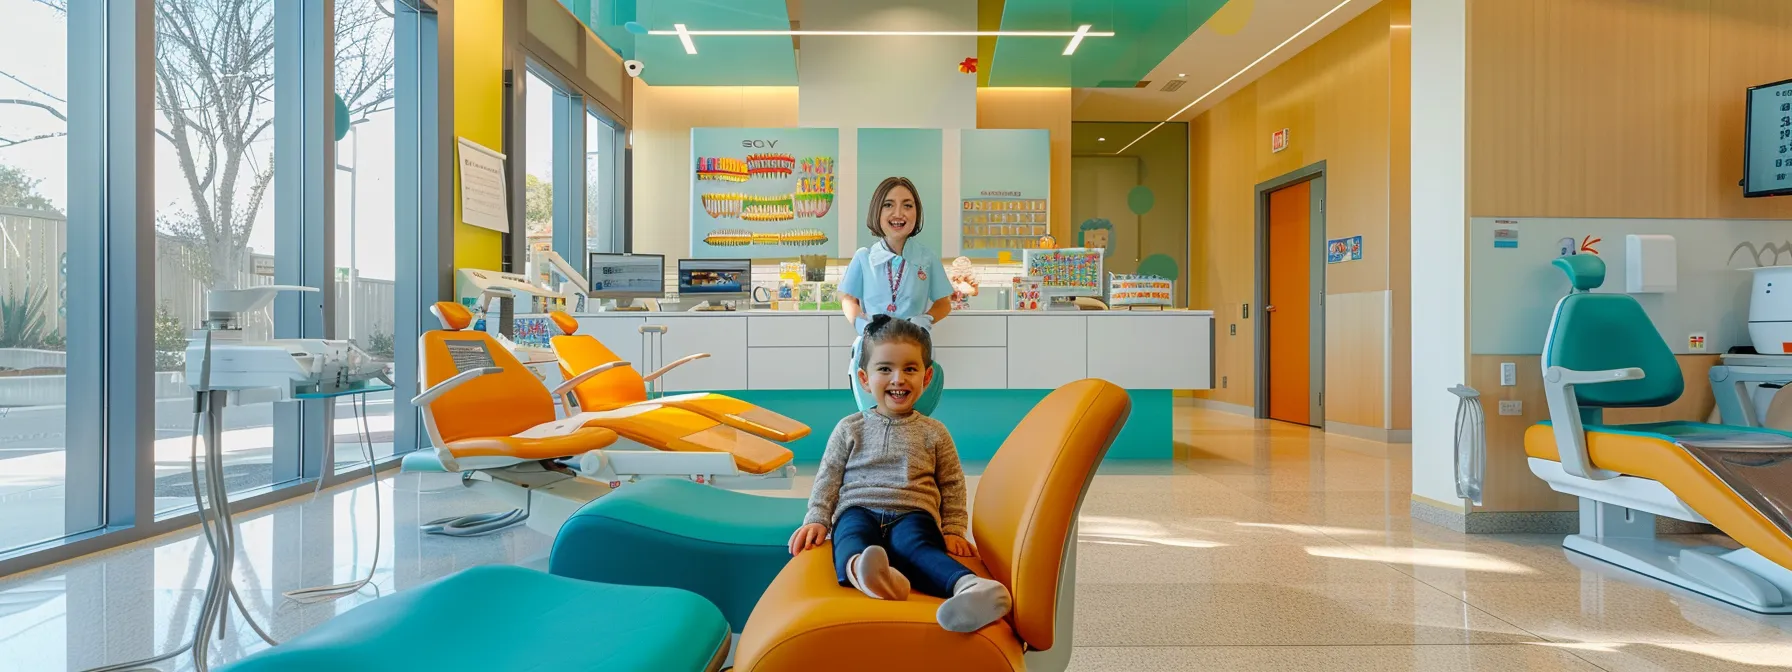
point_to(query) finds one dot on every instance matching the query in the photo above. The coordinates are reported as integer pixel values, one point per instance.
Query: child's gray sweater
(890, 464)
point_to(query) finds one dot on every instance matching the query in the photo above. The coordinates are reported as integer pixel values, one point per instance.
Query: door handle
(1269, 309)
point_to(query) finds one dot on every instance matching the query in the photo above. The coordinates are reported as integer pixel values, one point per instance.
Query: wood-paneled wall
(1047, 108)
(1336, 98)
(1618, 108)
(1509, 484)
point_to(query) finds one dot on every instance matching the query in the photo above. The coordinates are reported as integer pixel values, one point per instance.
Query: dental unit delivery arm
(681, 362)
(1564, 412)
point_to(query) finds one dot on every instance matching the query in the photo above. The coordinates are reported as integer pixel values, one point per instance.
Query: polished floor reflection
(1263, 547)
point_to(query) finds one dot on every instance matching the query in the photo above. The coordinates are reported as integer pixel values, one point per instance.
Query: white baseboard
(1223, 407)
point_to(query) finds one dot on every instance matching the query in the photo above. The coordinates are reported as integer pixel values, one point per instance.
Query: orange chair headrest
(454, 316)
(567, 323)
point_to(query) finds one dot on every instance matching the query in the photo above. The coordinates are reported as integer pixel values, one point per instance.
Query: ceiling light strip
(1077, 39)
(1083, 32)
(1236, 75)
(685, 37)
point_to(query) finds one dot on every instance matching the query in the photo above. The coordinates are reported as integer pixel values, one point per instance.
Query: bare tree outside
(214, 90)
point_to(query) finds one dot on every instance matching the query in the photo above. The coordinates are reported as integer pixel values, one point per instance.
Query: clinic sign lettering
(759, 144)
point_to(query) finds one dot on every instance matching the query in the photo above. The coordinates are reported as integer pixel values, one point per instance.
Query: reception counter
(997, 364)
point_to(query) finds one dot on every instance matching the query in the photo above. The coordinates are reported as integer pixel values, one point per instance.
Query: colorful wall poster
(1072, 271)
(914, 153)
(764, 192)
(1005, 182)
(1340, 250)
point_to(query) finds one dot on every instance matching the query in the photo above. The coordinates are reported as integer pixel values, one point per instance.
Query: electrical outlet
(1234, 330)
(1511, 407)
(1508, 374)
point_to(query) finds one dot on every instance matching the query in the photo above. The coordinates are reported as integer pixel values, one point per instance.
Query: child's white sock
(975, 602)
(871, 573)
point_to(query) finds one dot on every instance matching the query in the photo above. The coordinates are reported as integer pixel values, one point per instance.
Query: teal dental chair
(1602, 351)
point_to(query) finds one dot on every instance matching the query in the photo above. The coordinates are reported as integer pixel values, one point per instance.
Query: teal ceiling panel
(723, 60)
(1145, 31)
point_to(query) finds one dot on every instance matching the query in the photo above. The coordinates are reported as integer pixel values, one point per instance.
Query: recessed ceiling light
(1101, 139)
(1181, 74)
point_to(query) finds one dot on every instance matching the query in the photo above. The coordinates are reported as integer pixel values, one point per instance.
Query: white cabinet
(840, 368)
(781, 331)
(1151, 352)
(1047, 351)
(787, 368)
(841, 333)
(724, 339)
(973, 368)
(972, 331)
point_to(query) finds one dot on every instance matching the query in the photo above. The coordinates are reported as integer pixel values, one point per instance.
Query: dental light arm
(575, 284)
(1564, 415)
(681, 362)
(563, 391)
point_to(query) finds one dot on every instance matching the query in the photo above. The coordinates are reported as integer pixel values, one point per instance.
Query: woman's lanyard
(894, 277)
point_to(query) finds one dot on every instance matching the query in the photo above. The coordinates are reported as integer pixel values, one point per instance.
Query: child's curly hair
(887, 329)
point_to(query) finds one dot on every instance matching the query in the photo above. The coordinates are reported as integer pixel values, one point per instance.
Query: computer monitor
(626, 276)
(718, 279)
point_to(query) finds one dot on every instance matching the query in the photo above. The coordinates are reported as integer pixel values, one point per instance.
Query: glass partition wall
(153, 151)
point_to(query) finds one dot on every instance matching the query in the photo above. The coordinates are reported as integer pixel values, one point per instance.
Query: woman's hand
(958, 546)
(807, 537)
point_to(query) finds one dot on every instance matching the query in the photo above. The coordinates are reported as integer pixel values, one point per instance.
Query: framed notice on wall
(1005, 181)
(482, 201)
(764, 192)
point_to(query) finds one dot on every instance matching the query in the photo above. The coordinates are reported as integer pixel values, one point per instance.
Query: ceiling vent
(1173, 85)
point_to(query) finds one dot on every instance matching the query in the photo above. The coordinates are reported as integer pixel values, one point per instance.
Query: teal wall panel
(914, 153)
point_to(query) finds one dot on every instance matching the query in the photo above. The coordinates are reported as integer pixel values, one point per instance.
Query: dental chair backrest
(1028, 498)
(1599, 332)
(577, 353)
(499, 404)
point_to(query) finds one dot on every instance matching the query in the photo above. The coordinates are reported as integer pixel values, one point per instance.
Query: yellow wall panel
(478, 113)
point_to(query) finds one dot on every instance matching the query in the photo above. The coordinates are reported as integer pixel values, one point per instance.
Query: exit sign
(1278, 140)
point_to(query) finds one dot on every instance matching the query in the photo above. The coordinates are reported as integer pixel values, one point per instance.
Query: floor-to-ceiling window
(366, 209)
(603, 184)
(35, 480)
(540, 139)
(214, 216)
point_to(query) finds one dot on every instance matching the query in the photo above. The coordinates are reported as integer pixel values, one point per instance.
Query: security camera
(634, 68)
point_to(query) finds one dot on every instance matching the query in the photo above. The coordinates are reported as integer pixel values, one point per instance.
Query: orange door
(1289, 308)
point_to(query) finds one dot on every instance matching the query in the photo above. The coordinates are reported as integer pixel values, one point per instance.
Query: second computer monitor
(626, 276)
(715, 278)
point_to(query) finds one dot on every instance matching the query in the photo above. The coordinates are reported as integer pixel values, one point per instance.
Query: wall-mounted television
(1768, 145)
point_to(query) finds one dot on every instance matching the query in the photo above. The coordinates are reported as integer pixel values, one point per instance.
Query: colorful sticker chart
(1003, 222)
(1126, 291)
(1029, 293)
(1074, 271)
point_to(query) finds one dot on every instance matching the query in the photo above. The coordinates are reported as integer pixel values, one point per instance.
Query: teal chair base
(723, 545)
(499, 618)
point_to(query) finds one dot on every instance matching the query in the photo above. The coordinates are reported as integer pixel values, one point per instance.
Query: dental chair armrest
(1559, 376)
(443, 387)
(1564, 415)
(1734, 405)
(577, 380)
(681, 362)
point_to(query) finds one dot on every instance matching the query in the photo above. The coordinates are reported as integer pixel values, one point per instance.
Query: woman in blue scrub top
(896, 276)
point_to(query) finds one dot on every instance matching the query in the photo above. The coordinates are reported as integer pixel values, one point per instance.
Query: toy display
(1140, 291)
(1073, 271)
(1029, 293)
(964, 282)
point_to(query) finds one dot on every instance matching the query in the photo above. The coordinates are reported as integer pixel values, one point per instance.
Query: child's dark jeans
(913, 539)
